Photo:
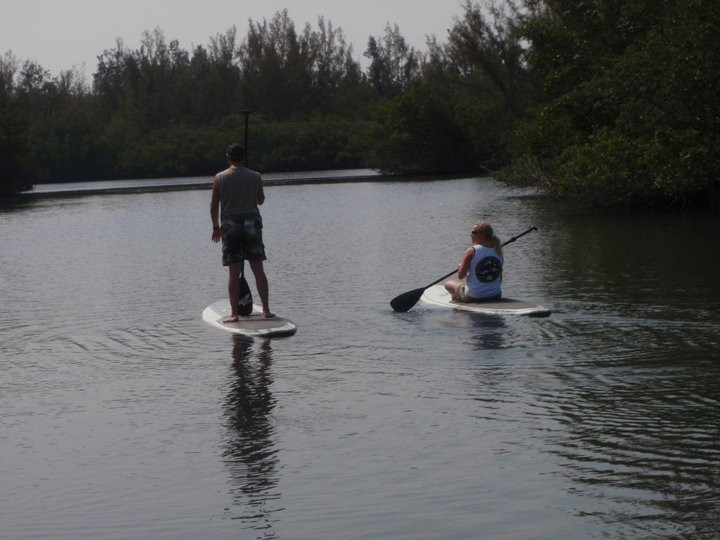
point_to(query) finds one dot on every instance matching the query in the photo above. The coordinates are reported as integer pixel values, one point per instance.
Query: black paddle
(405, 301)
(246, 112)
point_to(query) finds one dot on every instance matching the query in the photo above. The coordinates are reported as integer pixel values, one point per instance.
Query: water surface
(125, 416)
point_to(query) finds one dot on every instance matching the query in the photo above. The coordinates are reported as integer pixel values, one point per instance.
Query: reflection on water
(488, 331)
(483, 332)
(644, 438)
(250, 454)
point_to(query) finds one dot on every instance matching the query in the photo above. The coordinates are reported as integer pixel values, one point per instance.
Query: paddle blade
(405, 301)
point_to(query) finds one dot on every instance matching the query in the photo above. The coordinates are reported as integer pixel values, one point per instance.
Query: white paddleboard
(437, 296)
(254, 325)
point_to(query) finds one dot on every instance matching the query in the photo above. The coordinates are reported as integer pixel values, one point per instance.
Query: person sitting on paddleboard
(236, 193)
(480, 270)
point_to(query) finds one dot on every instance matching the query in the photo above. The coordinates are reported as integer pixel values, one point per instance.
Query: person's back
(480, 270)
(238, 192)
(485, 275)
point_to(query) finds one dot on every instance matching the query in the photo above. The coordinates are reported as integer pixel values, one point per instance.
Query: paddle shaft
(246, 112)
(439, 280)
(531, 229)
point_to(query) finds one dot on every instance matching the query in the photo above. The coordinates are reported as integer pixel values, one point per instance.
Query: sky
(62, 34)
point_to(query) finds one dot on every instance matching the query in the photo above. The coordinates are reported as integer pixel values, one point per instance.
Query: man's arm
(214, 210)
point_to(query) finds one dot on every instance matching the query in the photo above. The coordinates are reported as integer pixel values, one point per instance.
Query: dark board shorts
(242, 240)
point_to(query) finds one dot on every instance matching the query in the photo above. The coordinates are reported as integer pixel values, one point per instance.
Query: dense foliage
(163, 111)
(607, 102)
(630, 113)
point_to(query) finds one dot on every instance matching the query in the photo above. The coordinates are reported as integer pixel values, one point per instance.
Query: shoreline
(95, 187)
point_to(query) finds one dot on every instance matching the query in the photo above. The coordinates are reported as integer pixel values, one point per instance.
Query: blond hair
(485, 229)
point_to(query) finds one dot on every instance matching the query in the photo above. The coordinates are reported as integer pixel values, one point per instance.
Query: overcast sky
(60, 34)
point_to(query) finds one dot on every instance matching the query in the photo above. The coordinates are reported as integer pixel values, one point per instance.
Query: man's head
(235, 154)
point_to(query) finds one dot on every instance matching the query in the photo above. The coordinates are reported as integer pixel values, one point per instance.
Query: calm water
(124, 416)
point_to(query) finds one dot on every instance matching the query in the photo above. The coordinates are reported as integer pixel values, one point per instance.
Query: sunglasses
(474, 232)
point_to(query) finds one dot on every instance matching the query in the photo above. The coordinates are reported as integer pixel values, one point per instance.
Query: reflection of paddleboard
(254, 325)
(438, 296)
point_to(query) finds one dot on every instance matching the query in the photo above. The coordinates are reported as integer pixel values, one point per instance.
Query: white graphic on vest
(488, 269)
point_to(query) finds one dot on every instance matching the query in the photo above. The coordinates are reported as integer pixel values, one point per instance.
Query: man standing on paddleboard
(236, 194)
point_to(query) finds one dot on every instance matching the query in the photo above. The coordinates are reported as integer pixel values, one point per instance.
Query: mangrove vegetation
(607, 103)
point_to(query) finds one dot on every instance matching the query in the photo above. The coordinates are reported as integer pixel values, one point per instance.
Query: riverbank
(68, 189)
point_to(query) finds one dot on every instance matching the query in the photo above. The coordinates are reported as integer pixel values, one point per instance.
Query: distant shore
(68, 189)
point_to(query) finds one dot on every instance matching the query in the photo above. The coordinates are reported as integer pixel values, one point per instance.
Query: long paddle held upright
(405, 301)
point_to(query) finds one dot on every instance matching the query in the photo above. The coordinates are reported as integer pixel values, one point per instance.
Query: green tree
(15, 152)
(487, 53)
(416, 133)
(214, 83)
(338, 84)
(630, 112)
(394, 65)
(459, 113)
(275, 69)
(284, 73)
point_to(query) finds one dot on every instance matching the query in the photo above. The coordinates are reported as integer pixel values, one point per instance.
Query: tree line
(609, 103)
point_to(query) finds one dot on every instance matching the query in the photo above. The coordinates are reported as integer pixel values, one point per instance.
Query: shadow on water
(250, 451)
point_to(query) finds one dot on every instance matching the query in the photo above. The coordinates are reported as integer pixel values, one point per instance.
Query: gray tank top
(238, 192)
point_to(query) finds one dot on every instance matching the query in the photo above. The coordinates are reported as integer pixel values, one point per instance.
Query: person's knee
(234, 271)
(257, 267)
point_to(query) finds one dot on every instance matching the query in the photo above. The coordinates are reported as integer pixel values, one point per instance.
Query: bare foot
(231, 318)
(269, 315)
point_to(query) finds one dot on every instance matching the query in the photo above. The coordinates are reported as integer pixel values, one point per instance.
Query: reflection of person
(236, 193)
(480, 270)
(250, 450)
